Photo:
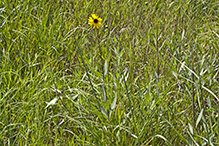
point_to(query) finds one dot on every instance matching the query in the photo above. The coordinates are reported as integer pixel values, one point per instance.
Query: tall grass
(148, 76)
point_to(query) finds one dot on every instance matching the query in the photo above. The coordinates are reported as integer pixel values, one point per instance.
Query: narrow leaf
(199, 117)
(105, 68)
(113, 105)
(52, 102)
(160, 136)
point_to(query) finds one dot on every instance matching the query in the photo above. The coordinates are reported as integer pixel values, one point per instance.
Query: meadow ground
(149, 75)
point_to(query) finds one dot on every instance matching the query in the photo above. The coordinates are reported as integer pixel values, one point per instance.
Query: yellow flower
(94, 20)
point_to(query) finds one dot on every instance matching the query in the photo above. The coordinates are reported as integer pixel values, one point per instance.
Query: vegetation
(148, 76)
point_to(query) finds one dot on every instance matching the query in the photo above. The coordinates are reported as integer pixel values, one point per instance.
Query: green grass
(148, 76)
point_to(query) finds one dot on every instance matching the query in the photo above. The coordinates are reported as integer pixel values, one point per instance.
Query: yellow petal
(94, 16)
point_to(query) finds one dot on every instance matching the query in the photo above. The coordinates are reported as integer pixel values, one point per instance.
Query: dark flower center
(95, 20)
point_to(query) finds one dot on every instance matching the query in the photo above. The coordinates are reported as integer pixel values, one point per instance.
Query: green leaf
(152, 47)
(160, 136)
(190, 128)
(105, 67)
(199, 117)
(113, 105)
(52, 102)
(3, 22)
(183, 34)
(1, 10)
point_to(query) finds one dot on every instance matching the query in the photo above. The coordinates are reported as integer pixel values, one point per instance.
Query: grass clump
(147, 76)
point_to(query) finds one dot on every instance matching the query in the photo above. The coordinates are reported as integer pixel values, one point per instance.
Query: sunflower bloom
(94, 20)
